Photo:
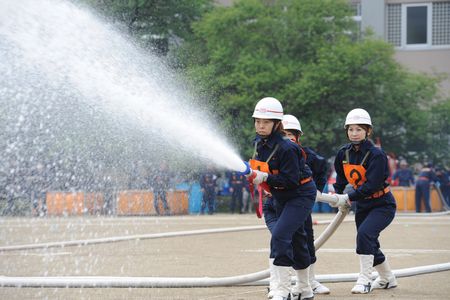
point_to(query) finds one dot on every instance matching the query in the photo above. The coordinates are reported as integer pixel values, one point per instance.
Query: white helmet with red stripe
(358, 116)
(268, 108)
(291, 122)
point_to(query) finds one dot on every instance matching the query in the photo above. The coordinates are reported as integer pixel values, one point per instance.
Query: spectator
(444, 184)
(39, 186)
(403, 176)
(426, 176)
(160, 184)
(246, 199)
(236, 188)
(108, 189)
(208, 184)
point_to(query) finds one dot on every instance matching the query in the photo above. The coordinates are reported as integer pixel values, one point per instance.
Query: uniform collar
(270, 141)
(363, 147)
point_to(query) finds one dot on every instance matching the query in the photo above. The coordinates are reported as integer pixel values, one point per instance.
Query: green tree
(438, 132)
(305, 54)
(155, 23)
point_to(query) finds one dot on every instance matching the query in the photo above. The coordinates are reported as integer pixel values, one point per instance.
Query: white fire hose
(166, 282)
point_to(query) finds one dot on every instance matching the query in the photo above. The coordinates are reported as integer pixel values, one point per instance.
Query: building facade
(418, 29)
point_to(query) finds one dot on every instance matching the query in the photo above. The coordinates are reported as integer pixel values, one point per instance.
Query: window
(357, 18)
(418, 25)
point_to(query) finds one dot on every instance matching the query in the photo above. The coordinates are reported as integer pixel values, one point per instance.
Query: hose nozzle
(248, 170)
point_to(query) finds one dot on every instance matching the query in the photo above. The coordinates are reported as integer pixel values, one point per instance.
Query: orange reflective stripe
(380, 193)
(303, 181)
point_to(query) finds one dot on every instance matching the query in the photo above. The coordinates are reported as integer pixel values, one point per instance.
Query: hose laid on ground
(128, 238)
(163, 282)
(166, 282)
(148, 236)
(441, 197)
(351, 277)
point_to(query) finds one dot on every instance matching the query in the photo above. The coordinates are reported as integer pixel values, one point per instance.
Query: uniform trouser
(369, 223)
(236, 198)
(423, 190)
(270, 218)
(39, 198)
(160, 195)
(289, 241)
(208, 200)
(310, 239)
(446, 193)
(270, 215)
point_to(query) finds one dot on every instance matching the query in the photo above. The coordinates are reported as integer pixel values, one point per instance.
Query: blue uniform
(405, 177)
(373, 213)
(424, 179)
(208, 184)
(318, 166)
(292, 200)
(237, 182)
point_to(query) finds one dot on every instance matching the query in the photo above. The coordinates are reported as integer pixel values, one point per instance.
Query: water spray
(62, 66)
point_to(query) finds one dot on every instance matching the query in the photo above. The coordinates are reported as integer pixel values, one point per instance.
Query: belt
(380, 193)
(423, 178)
(305, 180)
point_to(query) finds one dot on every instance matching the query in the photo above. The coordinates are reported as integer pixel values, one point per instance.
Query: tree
(155, 23)
(305, 54)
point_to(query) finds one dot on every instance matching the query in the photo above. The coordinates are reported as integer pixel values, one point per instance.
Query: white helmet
(358, 116)
(291, 122)
(268, 108)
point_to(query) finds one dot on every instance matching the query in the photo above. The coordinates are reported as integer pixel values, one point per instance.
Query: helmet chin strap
(275, 124)
(356, 143)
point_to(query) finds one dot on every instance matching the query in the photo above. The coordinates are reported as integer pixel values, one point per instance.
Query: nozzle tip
(247, 170)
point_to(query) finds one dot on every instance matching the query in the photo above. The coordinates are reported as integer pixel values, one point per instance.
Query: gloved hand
(342, 200)
(260, 177)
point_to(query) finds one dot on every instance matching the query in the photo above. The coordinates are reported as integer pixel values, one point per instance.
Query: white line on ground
(37, 254)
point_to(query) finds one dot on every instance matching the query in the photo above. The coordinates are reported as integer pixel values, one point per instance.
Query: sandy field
(410, 241)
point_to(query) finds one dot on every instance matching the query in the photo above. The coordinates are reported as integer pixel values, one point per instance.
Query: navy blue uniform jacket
(289, 162)
(318, 166)
(377, 172)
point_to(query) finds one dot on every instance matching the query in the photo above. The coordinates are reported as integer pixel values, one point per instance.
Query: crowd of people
(422, 178)
(235, 187)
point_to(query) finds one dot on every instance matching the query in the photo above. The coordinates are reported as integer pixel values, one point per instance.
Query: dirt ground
(410, 241)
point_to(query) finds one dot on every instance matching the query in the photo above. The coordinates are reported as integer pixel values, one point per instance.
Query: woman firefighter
(364, 166)
(280, 165)
(318, 166)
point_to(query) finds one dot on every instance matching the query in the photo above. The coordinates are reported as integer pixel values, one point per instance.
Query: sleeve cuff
(352, 196)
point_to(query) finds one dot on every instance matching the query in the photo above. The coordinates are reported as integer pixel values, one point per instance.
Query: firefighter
(318, 166)
(289, 179)
(365, 167)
